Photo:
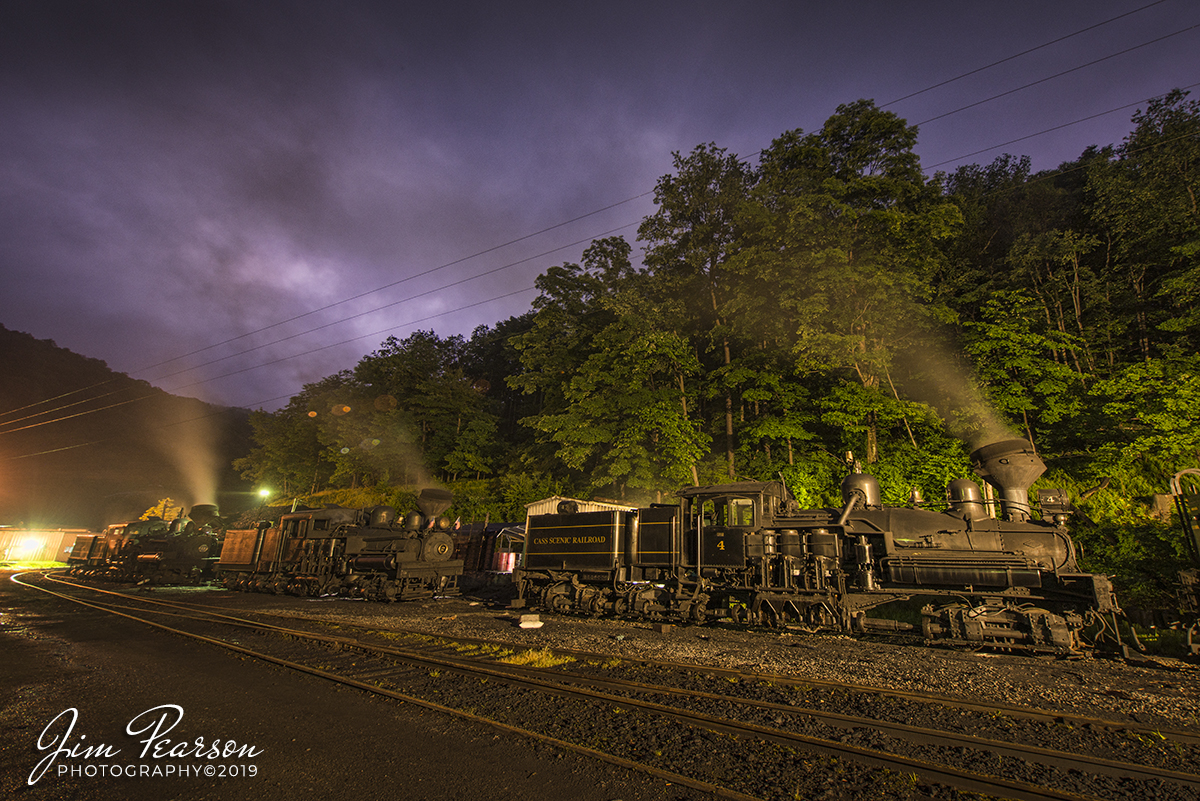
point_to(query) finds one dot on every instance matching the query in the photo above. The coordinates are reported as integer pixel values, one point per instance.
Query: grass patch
(542, 658)
(1162, 642)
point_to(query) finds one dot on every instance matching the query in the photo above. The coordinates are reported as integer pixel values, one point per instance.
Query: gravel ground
(1162, 693)
(317, 741)
(761, 769)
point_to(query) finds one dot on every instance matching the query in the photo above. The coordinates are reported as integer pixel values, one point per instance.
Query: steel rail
(990, 708)
(1061, 759)
(674, 778)
(554, 682)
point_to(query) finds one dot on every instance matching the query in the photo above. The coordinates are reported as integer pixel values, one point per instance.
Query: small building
(37, 545)
(549, 506)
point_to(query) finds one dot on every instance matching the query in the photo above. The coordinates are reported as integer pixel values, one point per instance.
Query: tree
(847, 232)
(1151, 411)
(690, 239)
(1052, 263)
(612, 377)
(418, 393)
(627, 422)
(1147, 203)
(1017, 361)
(290, 452)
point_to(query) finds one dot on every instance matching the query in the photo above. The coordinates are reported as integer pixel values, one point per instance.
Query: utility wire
(236, 372)
(1058, 75)
(335, 344)
(56, 397)
(567, 222)
(1051, 130)
(430, 271)
(492, 271)
(1022, 53)
(330, 306)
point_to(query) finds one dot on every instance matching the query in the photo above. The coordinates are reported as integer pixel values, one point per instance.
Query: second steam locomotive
(361, 553)
(747, 552)
(153, 550)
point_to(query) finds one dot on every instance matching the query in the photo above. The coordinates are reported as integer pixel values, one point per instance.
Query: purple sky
(176, 174)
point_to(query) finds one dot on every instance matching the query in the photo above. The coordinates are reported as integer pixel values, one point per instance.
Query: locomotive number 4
(720, 545)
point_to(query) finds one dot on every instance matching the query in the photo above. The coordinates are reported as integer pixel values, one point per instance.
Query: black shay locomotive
(360, 553)
(152, 550)
(746, 552)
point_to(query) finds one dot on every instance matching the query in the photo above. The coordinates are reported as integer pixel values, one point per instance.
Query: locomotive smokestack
(432, 502)
(205, 512)
(1011, 466)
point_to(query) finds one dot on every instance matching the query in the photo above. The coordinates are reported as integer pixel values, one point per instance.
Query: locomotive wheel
(699, 610)
(554, 598)
(591, 602)
(819, 616)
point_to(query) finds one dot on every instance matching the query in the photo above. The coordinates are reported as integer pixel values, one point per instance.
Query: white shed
(549, 506)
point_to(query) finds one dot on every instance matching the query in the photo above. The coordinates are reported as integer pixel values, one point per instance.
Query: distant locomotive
(1187, 501)
(746, 552)
(360, 553)
(153, 550)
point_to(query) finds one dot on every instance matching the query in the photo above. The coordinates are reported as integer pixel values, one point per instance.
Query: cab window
(741, 512)
(728, 512)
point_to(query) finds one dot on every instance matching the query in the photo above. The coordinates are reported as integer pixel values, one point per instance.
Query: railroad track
(748, 732)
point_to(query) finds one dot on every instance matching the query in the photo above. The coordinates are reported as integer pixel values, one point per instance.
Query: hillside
(82, 445)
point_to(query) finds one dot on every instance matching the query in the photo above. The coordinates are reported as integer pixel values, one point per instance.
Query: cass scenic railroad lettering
(568, 540)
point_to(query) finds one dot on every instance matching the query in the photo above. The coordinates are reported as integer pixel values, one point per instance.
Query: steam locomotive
(152, 550)
(360, 553)
(746, 552)
(1187, 501)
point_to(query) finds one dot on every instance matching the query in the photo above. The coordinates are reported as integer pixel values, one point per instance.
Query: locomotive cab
(725, 525)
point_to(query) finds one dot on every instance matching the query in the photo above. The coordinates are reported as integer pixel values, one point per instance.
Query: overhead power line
(430, 271)
(1053, 129)
(1059, 74)
(339, 321)
(1015, 56)
(551, 228)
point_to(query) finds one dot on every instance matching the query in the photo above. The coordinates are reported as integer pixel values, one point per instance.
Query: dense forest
(820, 298)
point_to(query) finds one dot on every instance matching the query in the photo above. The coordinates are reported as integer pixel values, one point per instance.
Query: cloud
(174, 175)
